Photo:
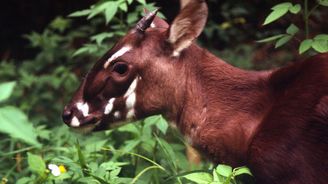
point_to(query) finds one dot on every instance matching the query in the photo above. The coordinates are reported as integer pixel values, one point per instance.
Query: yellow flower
(62, 169)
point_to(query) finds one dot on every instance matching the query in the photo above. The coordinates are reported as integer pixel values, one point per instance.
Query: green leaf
(305, 45)
(162, 125)
(277, 13)
(282, 6)
(241, 171)
(321, 37)
(15, 123)
(6, 90)
(110, 11)
(99, 38)
(323, 2)
(215, 176)
(282, 41)
(130, 1)
(131, 144)
(295, 9)
(320, 46)
(269, 39)
(292, 29)
(123, 6)
(36, 164)
(143, 2)
(80, 13)
(87, 48)
(200, 177)
(224, 170)
(100, 8)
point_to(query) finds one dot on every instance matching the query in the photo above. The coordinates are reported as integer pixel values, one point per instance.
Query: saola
(275, 122)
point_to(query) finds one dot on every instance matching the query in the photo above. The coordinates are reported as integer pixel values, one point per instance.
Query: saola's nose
(67, 115)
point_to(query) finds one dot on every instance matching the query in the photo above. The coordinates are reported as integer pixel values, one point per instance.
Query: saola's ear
(188, 25)
(157, 22)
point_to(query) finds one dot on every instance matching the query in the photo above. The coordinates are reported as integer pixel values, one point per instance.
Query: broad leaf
(36, 164)
(200, 177)
(123, 6)
(162, 125)
(80, 13)
(292, 29)
(282, 41)
(224, 170)
(320, 45)
(323, 2)
(110, 11)
(6, 90)
(278, 11)
(282, 6)
(295, 9)
(15, 123)
(321, 37)
(305, 45)
(142, 2)
(241, 171)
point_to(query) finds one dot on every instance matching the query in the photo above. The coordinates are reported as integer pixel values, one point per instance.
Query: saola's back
(292, 140)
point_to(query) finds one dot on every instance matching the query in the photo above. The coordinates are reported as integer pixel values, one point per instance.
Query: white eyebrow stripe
(83, 107)
(117, 54)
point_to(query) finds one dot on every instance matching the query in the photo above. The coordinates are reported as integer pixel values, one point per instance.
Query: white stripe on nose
(83, 107)
(75, 122)
(117, 54)
(109, 106)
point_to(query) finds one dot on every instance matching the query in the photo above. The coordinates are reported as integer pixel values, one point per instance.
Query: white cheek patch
(117, 114)
(75, 122)
(84, 108)
(130, 101)
(132, 88)
(109, 106)
(130, 114)
(117, 54)
(131, 96)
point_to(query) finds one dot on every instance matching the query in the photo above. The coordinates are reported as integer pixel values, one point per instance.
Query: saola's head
(140, 75)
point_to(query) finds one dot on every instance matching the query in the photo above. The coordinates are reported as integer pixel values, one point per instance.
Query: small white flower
(54, 169)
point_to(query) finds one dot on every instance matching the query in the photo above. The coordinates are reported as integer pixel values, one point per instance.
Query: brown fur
(275, 122)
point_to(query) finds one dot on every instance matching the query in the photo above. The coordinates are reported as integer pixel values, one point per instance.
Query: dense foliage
(37, 148)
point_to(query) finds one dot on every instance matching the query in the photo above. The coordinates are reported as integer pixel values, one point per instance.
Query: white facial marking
(152, 25)
(130, 114)
(84, 108)
(117, 114)
(109, 106)
(75, 122)
(117, 54)
(130, 101)
(132, 88)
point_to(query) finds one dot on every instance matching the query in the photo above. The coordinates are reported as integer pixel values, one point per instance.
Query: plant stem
(312, 10)
(306, 18)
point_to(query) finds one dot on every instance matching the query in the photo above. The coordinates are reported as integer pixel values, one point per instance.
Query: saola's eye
(120, 68)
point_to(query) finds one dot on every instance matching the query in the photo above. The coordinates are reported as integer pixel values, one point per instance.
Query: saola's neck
(223, 105)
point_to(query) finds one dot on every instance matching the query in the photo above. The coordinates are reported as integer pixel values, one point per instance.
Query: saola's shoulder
(311, 71)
